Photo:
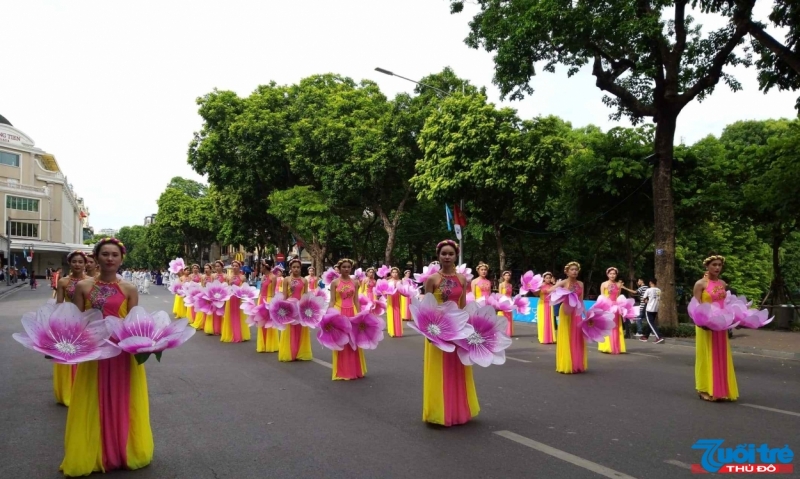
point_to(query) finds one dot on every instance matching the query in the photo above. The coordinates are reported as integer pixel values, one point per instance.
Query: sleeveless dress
(507, 290)
(267, 339)
(108, 423)
(545, 316)
(448, 393)
(234, 323)
(199, 316)
(614, 343)
(405, 308)
(178, 307)
(368, 289)
(347, 363)
(312, 283)
(296, 338)
(394, 322)
(213, 325)
(713, 369)
(571, 354)
(190, 314)
(483, 288)
(64, 374)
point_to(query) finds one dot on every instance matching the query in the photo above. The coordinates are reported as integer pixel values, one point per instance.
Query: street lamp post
(393, 74)
(8, 237)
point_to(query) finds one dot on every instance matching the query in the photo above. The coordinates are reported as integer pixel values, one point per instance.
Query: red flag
(458, 217)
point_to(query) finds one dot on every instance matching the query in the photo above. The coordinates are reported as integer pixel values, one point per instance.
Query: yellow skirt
(405, 313)
(62, 383)
(234, 330)
(448, 391)
(546, 329)
(295, 344)
(348, 364)
(716, 378)
(177, 306)
(571, 353)
(199, 321)
(267, 341)
(615, 345)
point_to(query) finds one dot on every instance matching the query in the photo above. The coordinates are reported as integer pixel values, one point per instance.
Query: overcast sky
(109, 87)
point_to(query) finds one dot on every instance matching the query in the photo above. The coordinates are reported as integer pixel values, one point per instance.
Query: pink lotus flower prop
(283, 312)
(569, 299)
(746, 317)
(487, 343)
(464, 271)
(245, 292)
(599, 323)
(334, 330)
(440, 324)
(499, 302)
(366, 330)
(625, 307)
(521, 305)
(176, 287)
(65, 335)
(376, 307)
(258, 316)
(360, 275)
(329, 275)
(192, 294)
(427, 272)
(176, 265)
(406, 288)
(711, 316)
(471, 298)
(320, 293)
(311, 309)
(385, 288)
(755, 319)
(383, 271)
(215, 295)
(142, 334)
(530, 283)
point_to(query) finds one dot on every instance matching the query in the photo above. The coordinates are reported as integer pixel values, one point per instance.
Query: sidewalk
(776, 344)
(5, 289)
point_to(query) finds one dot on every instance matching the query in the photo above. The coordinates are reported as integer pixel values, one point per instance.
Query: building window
(22, 204)
(9, 159)
(27, 230)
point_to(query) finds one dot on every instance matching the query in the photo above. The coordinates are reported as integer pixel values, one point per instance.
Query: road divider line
(564, 456)
(675, 462)
(517, 359)
(323, 363)
(648, 355)
(756, 406)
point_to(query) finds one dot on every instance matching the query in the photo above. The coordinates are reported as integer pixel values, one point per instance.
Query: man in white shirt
(652, 298)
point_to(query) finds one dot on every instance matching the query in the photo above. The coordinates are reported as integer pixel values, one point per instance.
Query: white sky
(109, 87)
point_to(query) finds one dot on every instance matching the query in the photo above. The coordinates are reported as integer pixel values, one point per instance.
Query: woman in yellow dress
(296, 338)
(64, 374)
(545, 313)
(268, 339)
(715, 379)
(91, 266)
(312, 279)
(199, 316)
(571, 354)
(108, 423)
(394, 320)
(213, 326)
(349, 363)
(405, 303)
(448, 396)
(614, 343)
(481, 286)
(234, 322)
(507, 289)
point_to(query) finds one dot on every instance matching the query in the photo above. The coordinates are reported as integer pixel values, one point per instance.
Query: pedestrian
(34, 284)
(23, 273)
(47, 273)
(54, 280)
(653, 301)
(640, 320)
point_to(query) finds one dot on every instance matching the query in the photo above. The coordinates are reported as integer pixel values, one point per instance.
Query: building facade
(42, 216)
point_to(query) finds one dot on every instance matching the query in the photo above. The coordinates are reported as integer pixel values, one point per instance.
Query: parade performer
(234, 324)
(91, 266)
(545, 314)
(108, 424)
(715, 379)
(199, 316)
(311, 279)
(481, 286)
(405, 303)
(571, 354)
(615, 343)
(213, 325)
(295, 342)
(64, 374)
(394, 320)
(507, 289)
(196, 279)
(268, 339)
(367, 286)
(348, 363)
(449, 396)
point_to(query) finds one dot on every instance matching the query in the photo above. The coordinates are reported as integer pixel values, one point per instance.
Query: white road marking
(564, 456)
(756, 406)
(648, 355)
(323, 363)
(675, 462)
(517, 359)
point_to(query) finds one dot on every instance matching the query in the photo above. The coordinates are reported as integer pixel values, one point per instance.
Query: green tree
(134, 239)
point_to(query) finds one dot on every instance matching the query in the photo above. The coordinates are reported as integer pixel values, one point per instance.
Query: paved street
(224, 411)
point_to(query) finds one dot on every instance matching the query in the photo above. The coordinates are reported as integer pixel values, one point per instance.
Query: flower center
(282, 312)
(309, 312)
(591, 322)
(434, 329)
(475, 338)
(66, 347)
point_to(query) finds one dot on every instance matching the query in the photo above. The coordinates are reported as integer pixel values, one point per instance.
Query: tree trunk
(778, 296)
(631, 263)
(391, 224)
(501, 254)
(664, 218)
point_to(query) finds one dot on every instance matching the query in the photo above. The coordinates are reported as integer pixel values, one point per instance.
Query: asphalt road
(224, 411)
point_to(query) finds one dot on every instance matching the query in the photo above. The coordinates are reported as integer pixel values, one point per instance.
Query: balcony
(39, 190)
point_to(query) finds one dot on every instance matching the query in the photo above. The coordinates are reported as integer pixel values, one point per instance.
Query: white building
(110, 232)
(40, 211)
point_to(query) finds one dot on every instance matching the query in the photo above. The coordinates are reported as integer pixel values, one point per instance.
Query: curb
(746, 349)
(11, 290)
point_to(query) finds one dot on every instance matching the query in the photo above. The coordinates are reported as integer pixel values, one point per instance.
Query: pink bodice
(295, 287)
(236, 280)
(69, 291)
(716, 290)
(449, 289)
(613, 291)
(346, 292)
(485, 286)
(107, 297)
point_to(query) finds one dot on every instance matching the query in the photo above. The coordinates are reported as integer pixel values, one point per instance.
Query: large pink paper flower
(176, 287)
(216, 294)
(376, 307)
(366, 330)
(383, 271)
(245, 292)
(320, 293)
(141, 333)
(283, 312)
(258, 316)
(176, 265)
(360, 275)
(385, 287)
(530, 283)
(192, 292)
(406, 288)
(487, 343)
(625, 307)
(66, 335)
(571, 301)
(598, 324)
(471, 298)
(711, 316)
(522, 305)
(311, 309)
(334, 330)
(329, 275)
(427, 272)
(441, 324)
(755, 319)
(500, 302)
(604, 303)
(464, 271)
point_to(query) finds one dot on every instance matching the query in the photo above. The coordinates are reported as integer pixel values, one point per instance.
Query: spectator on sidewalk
(54, 280)
(23, 273)
(47, 274)
(640, 320)
(34, 283)
(652, 299)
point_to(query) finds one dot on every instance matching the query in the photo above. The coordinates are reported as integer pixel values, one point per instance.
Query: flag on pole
(448, 216)
(460, 220)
